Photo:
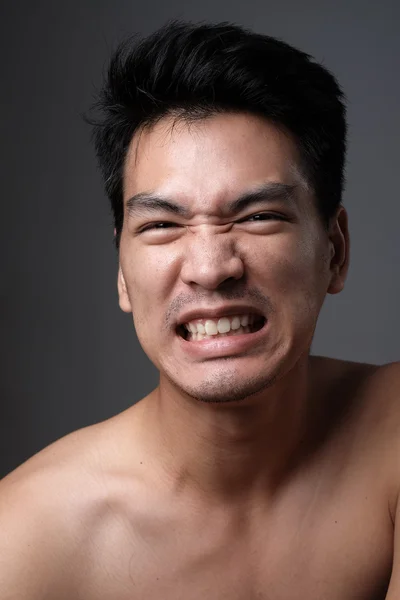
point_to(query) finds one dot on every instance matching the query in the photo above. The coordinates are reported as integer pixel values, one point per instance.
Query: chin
(232, 380)
(225, 387)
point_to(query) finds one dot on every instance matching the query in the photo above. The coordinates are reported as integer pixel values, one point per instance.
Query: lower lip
(219, 347)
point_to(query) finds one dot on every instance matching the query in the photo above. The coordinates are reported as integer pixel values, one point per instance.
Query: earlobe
(336, 284)
(124, 302)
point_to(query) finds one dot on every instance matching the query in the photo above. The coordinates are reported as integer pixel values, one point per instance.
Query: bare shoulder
(366, 378)
(374, 390)
(67, 474)
(369, 396)
(66, 456)
(388, 376)
(47, 507)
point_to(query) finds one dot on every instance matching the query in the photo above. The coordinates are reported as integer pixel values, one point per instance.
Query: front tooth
(211, 327)
(223, 325)
(235, 323)
(200, 328)
(244, 321)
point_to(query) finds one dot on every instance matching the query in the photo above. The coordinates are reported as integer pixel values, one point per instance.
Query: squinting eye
(160, 225)
(264, 217)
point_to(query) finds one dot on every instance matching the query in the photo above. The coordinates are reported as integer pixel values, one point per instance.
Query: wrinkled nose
(211, 260)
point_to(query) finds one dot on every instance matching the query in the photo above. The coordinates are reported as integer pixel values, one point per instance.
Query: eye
(264, 216)
(159, 225)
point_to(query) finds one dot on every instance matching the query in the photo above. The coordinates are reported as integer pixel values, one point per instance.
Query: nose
(211, 260)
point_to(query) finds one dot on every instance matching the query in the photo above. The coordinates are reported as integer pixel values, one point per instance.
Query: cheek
(149, 277)
(293, 272)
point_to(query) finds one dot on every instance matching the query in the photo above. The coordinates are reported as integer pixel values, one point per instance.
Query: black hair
(191, 71)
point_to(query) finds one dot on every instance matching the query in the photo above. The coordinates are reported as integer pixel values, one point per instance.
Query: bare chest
(330, 554)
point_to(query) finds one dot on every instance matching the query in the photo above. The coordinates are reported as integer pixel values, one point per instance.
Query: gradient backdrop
(69, 357)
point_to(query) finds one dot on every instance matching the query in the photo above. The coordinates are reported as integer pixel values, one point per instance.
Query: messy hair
(193, 71)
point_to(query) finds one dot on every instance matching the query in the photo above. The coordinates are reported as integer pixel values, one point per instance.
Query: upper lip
(218, 312)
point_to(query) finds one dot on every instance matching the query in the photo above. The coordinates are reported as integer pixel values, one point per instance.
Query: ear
(124, 302)
(340, 250)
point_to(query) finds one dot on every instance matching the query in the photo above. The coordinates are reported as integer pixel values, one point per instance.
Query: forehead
(209, 161)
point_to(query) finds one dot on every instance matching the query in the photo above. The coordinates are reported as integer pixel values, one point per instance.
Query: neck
(232, 451)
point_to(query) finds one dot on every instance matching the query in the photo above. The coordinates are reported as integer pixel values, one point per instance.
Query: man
(254, 470)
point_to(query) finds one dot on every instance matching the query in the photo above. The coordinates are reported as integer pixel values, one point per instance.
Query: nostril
(211, 269)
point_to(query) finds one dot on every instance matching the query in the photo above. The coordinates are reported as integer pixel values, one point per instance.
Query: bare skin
(123, 528)
(253, 471)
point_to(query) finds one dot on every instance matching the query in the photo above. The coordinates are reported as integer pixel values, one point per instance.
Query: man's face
(199, 263)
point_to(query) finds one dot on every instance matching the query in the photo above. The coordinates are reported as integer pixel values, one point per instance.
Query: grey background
(69, 357)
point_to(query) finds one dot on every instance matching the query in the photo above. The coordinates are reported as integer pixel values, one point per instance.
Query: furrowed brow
(146, 202)
(268, 192)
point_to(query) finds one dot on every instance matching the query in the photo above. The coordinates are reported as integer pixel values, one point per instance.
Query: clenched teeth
(200, 329)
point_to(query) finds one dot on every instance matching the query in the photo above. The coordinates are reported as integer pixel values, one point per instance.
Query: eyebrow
(267, 192)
